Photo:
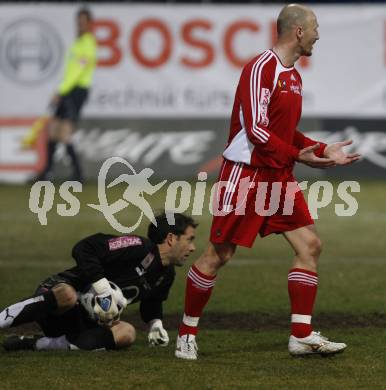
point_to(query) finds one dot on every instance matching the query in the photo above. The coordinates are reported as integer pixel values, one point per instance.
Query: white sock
(54, 343)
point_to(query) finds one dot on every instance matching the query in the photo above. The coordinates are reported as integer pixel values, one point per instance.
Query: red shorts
(250, 201)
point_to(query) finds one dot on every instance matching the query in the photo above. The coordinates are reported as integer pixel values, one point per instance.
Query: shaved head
(290, 16)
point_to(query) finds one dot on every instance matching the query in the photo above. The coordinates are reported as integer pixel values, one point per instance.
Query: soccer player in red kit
(263, 146)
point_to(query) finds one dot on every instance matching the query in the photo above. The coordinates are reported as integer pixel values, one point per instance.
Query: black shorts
(70, 323)
(71, 104)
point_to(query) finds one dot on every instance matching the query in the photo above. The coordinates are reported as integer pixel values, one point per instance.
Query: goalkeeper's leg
(120, 335)
(59, 299)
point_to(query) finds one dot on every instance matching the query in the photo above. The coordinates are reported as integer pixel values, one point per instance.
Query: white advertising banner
(185, 60)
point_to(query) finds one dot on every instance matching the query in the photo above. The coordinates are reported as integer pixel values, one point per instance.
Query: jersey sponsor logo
(295, 88)
(264, 101)
(124, 242)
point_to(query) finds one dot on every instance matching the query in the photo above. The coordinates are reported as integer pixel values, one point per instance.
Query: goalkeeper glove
(105, 307)
(157, 334)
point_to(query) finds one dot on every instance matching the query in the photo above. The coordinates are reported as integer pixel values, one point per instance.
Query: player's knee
(224, 253)
(310, 254)
(216, 256)
(124, 334)
(65, 296)
(315, 247)
(223, 258)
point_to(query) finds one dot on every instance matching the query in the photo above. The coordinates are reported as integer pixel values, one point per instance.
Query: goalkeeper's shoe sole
(314, 344)
(20, 343)
(186, 347)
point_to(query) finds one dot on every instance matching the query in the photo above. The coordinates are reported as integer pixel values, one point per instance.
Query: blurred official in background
(71, 95)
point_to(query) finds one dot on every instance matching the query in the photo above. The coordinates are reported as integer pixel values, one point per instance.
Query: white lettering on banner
(188, 147)
(176, 61)
(183, 148)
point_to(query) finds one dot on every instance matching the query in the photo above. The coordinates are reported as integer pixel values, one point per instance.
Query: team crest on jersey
(282, 83)
(264, 101)
(124, 242)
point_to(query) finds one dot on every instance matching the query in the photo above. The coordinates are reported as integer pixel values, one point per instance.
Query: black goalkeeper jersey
(132, 262)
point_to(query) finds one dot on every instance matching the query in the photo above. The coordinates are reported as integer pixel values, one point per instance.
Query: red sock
(302, 287)
(198, 290)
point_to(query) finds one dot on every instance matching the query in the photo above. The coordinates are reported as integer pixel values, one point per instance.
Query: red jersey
(266, 112)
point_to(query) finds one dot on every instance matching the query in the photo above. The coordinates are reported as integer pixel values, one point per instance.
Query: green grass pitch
(245, 328)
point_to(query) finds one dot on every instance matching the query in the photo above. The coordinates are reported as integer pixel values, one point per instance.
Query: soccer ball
(89, 299)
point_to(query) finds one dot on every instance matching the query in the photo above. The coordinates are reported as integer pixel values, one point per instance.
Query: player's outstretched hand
(335, 152)
(157, 334)
(307, 156)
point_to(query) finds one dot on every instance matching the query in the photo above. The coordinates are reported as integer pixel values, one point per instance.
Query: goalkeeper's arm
(157, 333)
(89, 254)
(152, 314)
(106, 306)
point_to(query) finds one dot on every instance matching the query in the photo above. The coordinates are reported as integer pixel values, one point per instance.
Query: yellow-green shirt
(80, 64)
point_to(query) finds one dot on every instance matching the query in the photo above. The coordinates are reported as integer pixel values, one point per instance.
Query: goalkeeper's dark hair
(158, 233)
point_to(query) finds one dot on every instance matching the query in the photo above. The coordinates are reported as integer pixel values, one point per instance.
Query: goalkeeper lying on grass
(80, 307)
